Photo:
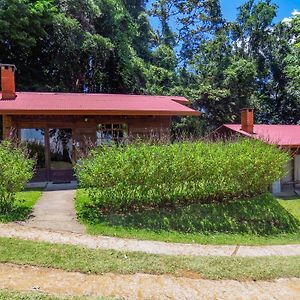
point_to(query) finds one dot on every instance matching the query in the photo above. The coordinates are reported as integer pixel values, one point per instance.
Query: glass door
(61, 154)
(34, 138)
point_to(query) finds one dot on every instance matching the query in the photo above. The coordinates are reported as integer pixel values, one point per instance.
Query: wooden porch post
(7, 126)
(47, 154)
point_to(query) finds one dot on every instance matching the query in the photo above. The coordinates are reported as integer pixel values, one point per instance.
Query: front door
(61, 154)
(34, 138)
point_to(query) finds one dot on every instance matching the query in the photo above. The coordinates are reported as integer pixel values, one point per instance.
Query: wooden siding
(87, 125)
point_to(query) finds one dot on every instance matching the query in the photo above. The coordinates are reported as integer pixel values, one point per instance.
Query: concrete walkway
(141, 286)
(153, 247)
(55, 209)
(54, 220)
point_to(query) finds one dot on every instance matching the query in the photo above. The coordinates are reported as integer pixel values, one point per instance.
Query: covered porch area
(57, 142)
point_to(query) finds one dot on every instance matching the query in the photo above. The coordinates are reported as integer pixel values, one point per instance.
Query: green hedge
(16, 169)
(139, 176)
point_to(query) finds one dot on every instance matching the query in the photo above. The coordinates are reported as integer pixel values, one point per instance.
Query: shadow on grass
(18, 213)
(23, 205)
(262, 215)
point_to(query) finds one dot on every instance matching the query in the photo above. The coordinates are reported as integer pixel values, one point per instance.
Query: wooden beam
(7, 126)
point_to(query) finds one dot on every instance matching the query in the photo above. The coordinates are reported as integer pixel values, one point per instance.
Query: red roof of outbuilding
(30, 103)
(282, 135)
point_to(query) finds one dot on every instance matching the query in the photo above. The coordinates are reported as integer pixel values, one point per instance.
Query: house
(285, 136)
(54, 125)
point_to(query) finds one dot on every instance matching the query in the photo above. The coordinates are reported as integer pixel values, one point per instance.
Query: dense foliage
(141, 176)
(110, 46)
(15, 170)
(93, 46)
(250, 62)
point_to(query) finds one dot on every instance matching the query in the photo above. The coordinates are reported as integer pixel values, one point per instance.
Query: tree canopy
(111, 46)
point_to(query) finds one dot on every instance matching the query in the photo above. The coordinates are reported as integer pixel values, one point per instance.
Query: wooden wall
(86, 126)
(83, 133)
(7, 126)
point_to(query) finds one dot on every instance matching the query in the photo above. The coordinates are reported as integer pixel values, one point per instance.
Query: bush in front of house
(16, 169)
(140, 176)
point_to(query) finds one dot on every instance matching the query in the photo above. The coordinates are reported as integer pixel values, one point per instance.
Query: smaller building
(285, 136)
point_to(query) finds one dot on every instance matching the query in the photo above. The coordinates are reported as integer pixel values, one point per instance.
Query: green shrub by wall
(16, 169)
(139, 176)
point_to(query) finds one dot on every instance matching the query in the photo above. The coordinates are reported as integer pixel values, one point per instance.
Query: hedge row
(139, 176)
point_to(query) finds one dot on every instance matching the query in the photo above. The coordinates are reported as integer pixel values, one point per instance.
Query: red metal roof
(282, 135)
(96, 104)
(181, 100)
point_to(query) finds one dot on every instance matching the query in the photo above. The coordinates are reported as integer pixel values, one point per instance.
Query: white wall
(276, 187)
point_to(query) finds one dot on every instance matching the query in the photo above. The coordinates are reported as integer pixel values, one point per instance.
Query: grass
(23, 206)
(292, 206)
(258, 221)
(5, 294)
(75, 258)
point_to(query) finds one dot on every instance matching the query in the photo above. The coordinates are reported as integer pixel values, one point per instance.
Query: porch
(58, 141)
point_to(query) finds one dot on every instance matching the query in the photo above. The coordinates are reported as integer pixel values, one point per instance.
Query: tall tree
(85, 45)
(23, 30)
(164, 10)
(110, 46)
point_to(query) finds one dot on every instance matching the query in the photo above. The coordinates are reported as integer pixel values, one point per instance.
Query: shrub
(140, 176)
(15, 170)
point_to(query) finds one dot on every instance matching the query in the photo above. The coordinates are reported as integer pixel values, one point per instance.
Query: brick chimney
(247, 120)
(8, 82)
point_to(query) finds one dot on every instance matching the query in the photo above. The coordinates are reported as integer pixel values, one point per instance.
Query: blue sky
(229, 9)
(285, 8)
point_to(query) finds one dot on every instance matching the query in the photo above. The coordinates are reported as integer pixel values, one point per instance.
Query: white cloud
(286, 20)
(296, 12)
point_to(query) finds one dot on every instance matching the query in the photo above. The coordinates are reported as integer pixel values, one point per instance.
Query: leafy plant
(16, 168)
(140, 176)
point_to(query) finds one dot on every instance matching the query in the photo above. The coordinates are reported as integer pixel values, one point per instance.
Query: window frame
(114, 128)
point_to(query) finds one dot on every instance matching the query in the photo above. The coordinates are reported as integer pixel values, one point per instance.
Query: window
(35, 141)
(111, 133)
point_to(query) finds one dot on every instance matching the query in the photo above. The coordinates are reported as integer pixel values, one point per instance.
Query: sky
(229, 9)
(285, 8)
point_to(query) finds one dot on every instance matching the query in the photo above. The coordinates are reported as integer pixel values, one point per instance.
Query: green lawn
(24, 204)
(75, 258)
(5, 294)
(251, 222)
(292, 206)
